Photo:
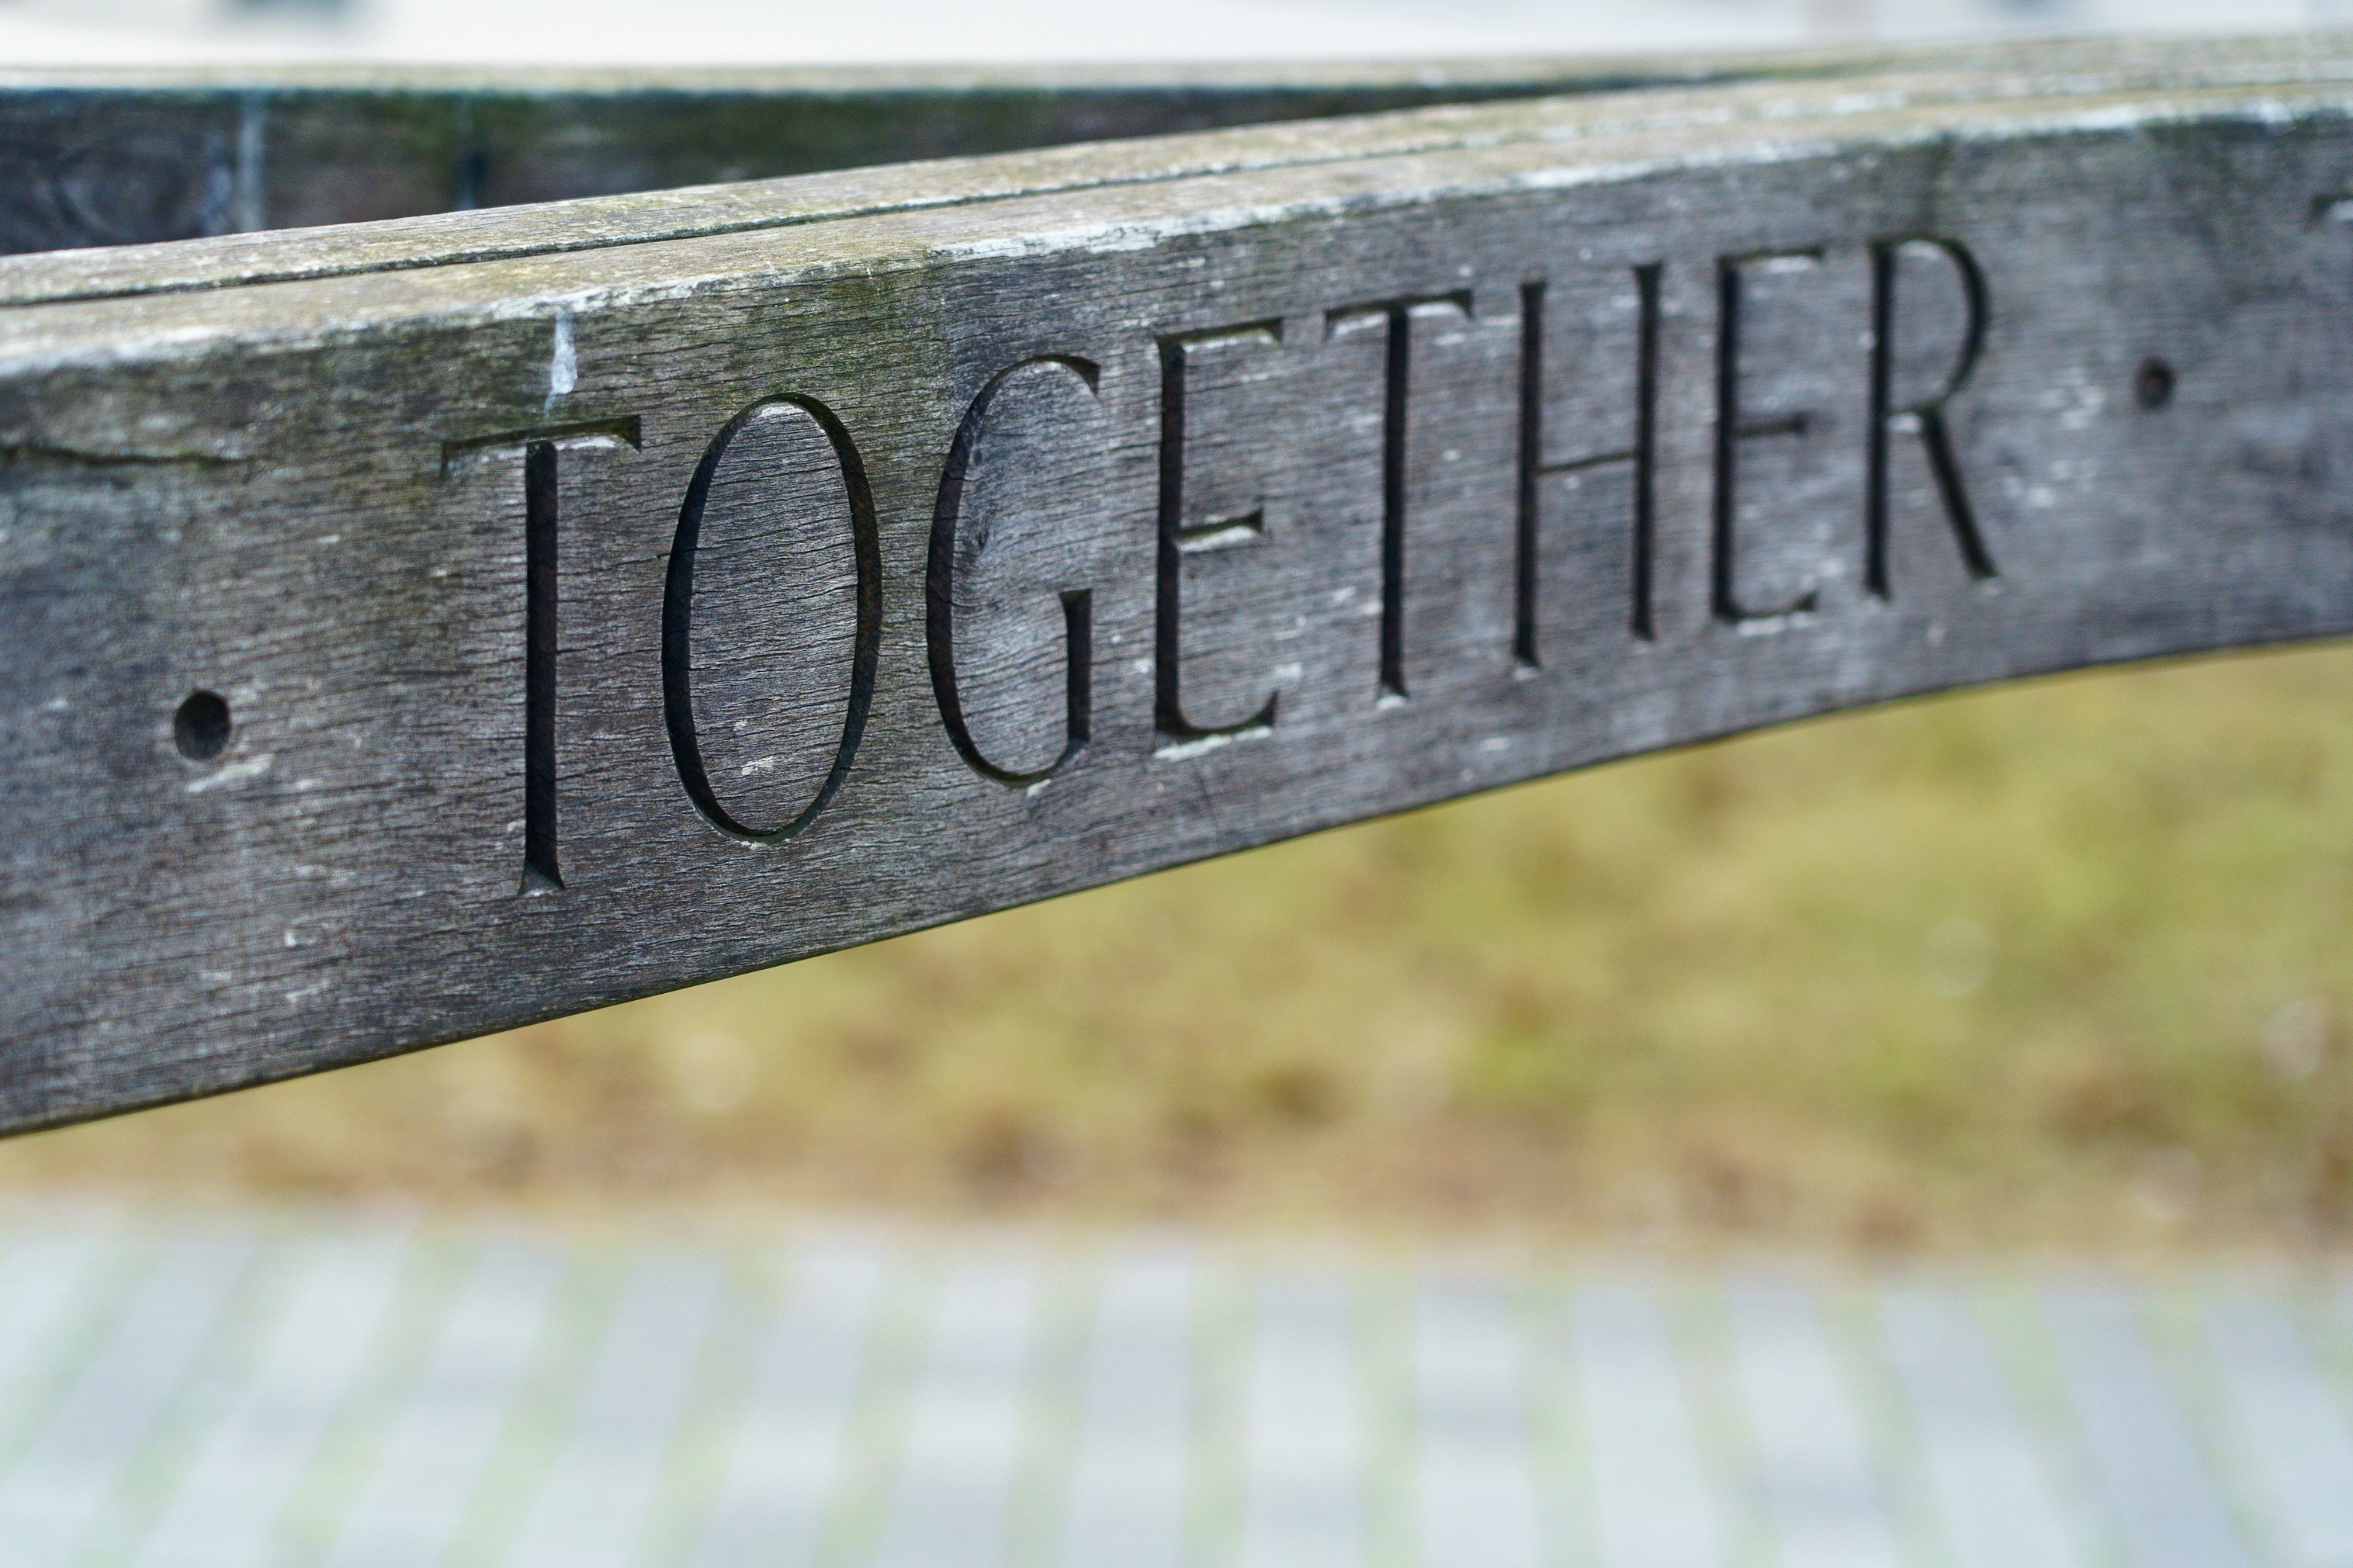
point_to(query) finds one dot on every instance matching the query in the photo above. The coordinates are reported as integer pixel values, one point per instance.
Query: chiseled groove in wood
(593, 223)
(257, 504)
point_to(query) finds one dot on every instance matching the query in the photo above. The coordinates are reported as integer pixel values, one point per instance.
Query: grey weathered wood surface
(130, 157)
(1364, 463)
(125, 157)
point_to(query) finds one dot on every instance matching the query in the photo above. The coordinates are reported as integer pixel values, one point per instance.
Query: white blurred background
(786, 32)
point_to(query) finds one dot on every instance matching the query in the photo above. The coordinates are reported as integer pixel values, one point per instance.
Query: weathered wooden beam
(122, 157)
(128, 157)
(414, 630)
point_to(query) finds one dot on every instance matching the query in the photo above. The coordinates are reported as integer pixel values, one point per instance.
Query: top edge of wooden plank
(2060, 76)
(1472, 71)
(113, 159)
(901, 216)
(1209, 76)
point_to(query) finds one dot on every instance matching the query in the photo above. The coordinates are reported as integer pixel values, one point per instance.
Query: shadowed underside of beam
(422, 628)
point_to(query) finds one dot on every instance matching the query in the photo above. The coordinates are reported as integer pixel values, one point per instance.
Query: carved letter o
(678, 624)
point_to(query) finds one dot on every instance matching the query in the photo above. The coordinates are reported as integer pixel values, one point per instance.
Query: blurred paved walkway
(356, 1393)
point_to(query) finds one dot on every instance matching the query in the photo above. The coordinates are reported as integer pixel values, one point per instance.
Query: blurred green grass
(2065, 963)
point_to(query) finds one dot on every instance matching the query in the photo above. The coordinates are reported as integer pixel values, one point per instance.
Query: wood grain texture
(127, 156)
(925, 540)
(99, 158)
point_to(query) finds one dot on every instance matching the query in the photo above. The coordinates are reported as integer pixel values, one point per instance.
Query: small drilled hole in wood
(200, 728)
(2154, 384)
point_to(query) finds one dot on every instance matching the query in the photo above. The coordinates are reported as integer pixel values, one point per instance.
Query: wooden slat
(112, 157)
(591, 611)
(107, 158)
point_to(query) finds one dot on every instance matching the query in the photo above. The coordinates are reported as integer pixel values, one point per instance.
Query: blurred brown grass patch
(2065, 963)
